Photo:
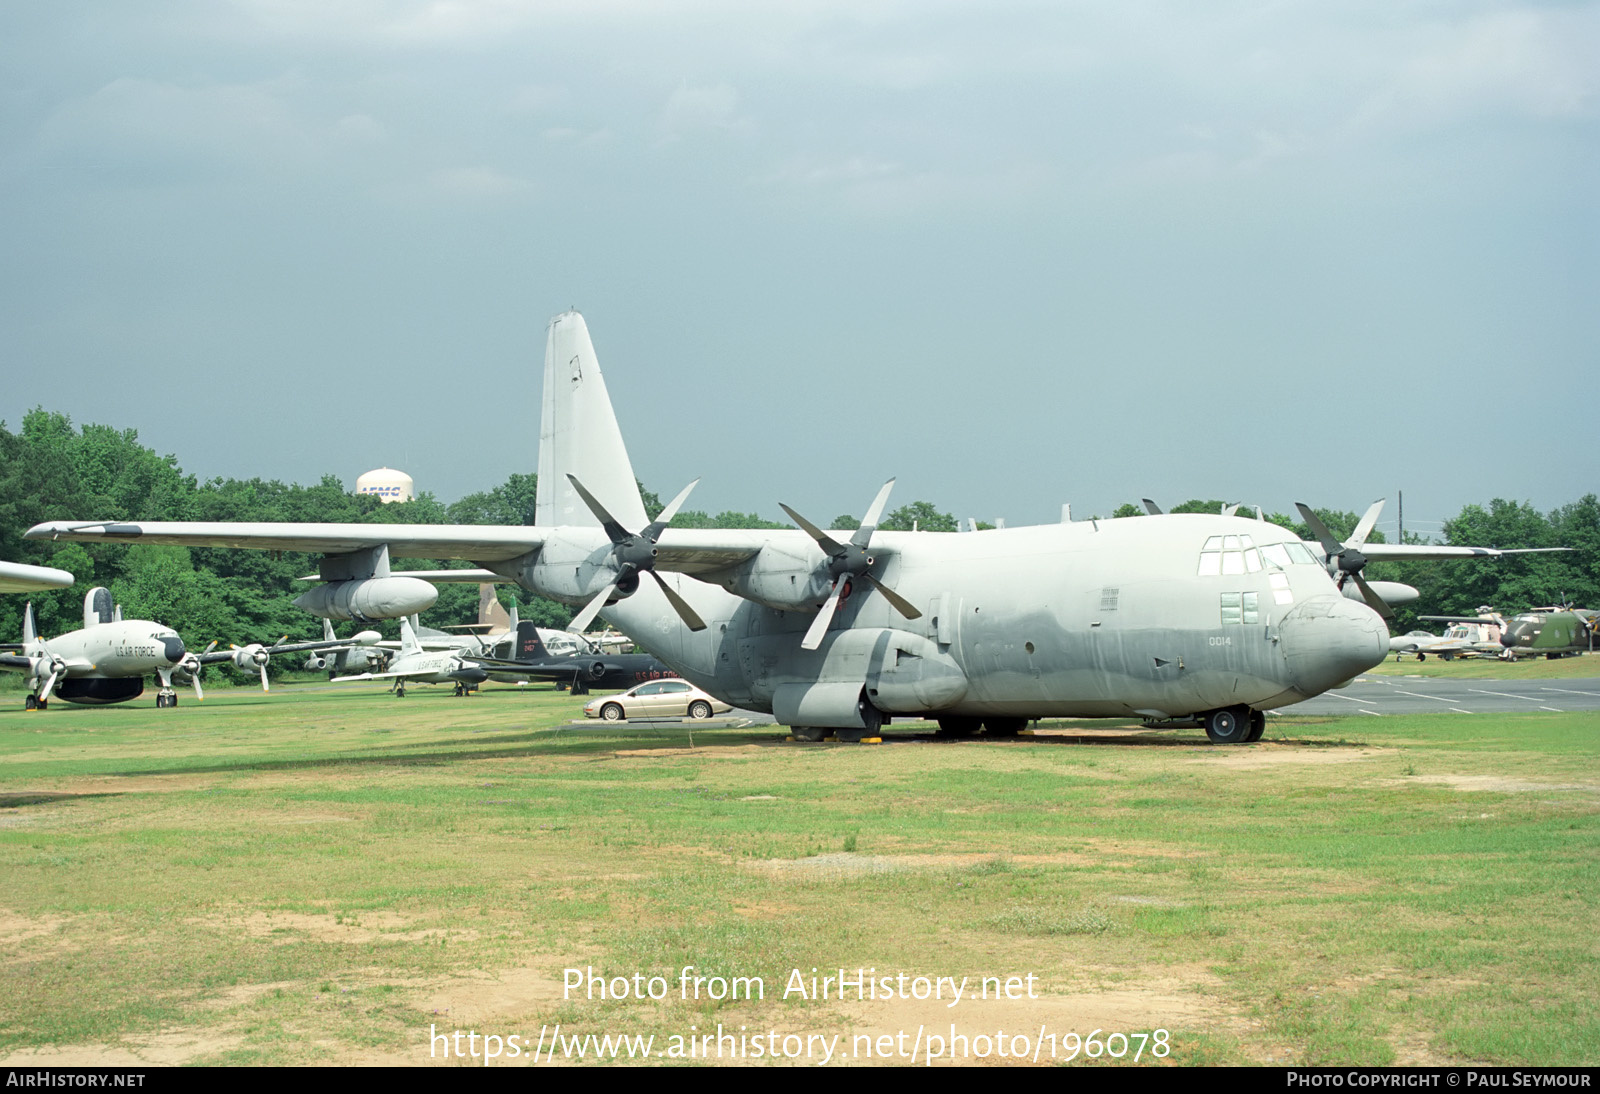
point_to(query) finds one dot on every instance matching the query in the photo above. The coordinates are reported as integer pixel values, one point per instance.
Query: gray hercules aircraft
(1218, 618)
(107, 661)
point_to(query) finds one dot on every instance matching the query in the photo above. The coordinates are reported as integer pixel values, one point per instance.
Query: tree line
(52, 470)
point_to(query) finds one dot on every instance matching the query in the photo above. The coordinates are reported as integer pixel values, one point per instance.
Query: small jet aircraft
(591, 669)
(1212, 617)
(1446, 647)
(424, 666)
(359, 652)
(107, 661)
(19, 577)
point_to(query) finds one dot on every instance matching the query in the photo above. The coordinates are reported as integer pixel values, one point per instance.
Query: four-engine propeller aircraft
(107, 661)
(1217, 618)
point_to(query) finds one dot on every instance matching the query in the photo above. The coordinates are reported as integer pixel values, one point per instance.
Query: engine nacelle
(778, 579)
(368, 600)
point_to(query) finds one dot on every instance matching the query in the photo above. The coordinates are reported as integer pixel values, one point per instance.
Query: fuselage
(107, 663)
(1159, 616)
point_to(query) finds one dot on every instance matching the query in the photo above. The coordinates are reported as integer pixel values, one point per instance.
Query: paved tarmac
(1381, 695)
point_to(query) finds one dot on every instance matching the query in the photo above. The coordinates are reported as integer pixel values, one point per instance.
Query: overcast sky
(1017, 254)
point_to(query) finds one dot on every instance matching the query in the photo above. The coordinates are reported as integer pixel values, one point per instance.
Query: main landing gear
(166, 697)
(1234, 725)
(33, 702)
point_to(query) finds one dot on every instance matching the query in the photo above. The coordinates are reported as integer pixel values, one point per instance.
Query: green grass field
(327, 875)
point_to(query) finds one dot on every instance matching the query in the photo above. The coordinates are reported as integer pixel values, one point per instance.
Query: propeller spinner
(847, 561)
(633, 554)
(1345, 560)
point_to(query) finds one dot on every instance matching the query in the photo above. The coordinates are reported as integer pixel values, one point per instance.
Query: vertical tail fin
(491, 611)
(30, 632)
(327, 631)
(530, 647)
(97, 607)
(408, 636)
(578, 435)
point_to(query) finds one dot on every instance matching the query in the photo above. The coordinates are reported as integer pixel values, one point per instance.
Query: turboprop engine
(367, 600)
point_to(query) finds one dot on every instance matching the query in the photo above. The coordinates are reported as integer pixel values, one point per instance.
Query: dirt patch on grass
(16, 928)
(1496, 783)
(364, 927)
(851, 864)
(1269, 756)
(481, 996)
(159, 1049)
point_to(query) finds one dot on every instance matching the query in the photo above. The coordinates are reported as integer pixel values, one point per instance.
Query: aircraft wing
(1410, 552)
(482, 542)
(704, 550)
(217, 656)
(19, 577)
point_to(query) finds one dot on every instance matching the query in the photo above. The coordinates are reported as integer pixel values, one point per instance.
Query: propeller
(1345, 560)
(633, 554)
(192, 666)
(253, 655)
(55, 668)
(847, 561)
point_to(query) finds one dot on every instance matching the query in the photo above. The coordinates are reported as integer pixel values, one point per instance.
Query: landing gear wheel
(611, 712)
(699, 710)
(959, 727)
(31, 703)
(1258, 726)
(808, 733)
(580, 687)
(400, 691)
(1004, 727)
(849, 736)
(1228, 726)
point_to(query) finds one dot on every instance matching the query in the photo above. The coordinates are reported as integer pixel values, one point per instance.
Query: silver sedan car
(656, 699)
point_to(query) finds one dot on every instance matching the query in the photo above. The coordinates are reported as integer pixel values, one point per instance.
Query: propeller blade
(869, 523)
(1374, 601)
(819, 626)
(264, 679)
(198, 694)
(664, 518)
(581, 621)
(614, 530)
(49, 685)
(901, 604)
(829, 545)
(679, 604)
(1364, 529)
(1329, 544)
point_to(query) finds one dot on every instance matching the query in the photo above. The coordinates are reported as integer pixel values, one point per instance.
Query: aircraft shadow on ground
(24, 798)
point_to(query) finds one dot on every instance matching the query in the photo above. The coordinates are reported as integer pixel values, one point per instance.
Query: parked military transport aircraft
(19, 577)
(107, 661)
(1213, 617)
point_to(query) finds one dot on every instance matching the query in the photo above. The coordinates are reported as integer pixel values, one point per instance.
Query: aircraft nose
(172, 648)
(1329, 640)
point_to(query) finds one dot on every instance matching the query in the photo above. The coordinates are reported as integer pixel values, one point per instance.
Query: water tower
(387, 484)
